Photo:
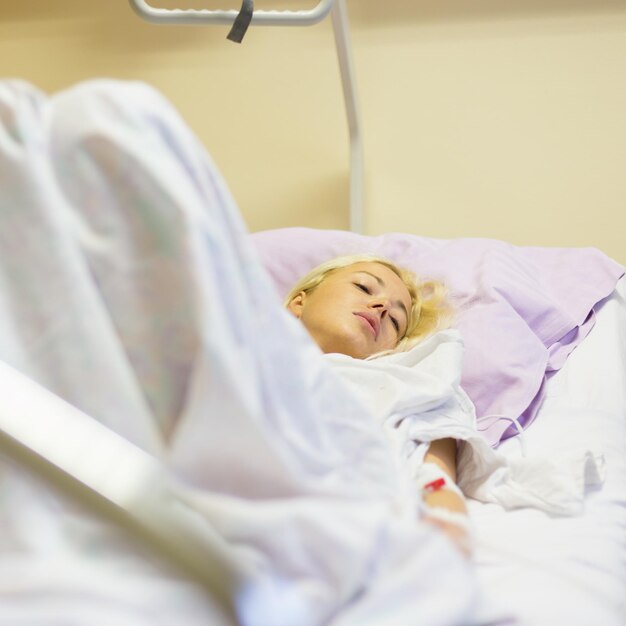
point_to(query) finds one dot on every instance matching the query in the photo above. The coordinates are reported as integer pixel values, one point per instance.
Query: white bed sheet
(536, 570)
(533, 570)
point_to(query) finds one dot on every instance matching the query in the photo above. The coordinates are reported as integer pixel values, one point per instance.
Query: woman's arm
(443, 454)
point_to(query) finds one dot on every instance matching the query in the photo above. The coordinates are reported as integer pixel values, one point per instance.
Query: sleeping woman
(367, 307)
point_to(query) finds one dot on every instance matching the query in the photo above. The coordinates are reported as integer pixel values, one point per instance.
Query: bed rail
(338, 11)
(206, 16)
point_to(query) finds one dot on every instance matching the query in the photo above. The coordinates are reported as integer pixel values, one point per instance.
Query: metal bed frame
(338, 12)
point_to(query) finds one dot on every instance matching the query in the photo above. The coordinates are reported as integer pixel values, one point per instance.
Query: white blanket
(128, 288)
(417, 397)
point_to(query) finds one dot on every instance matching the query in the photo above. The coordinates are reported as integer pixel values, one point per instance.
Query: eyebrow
(381, 282)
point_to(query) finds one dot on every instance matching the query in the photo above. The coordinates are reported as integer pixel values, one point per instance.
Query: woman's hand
(445, 499)
(446, 510)
(458, 534)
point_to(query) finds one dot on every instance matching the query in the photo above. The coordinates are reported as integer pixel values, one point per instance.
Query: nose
(380, 305)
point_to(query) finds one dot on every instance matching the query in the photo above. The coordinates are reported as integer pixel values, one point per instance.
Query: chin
(348, 343)
(357, 351)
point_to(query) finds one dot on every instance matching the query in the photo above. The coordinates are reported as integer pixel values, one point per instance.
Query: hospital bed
(125, 545)
(76, 554)
(534, 568)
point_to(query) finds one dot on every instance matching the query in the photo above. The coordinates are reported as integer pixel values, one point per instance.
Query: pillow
(521, 310)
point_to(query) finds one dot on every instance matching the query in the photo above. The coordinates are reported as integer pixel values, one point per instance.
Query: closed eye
(395, 323)
(363, 288)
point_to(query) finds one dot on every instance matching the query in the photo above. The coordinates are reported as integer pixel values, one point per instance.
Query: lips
(372, 320)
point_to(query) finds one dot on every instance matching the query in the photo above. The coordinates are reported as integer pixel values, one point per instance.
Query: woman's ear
(296, 305)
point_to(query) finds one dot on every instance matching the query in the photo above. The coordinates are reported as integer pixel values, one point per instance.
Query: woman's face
(356, 310)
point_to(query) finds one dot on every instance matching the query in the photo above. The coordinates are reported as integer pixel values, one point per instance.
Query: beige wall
(481, 117)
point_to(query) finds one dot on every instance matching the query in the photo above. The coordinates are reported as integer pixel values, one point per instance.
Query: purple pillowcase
(521, 310)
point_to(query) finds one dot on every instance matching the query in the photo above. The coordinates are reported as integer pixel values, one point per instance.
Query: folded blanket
(417, 398)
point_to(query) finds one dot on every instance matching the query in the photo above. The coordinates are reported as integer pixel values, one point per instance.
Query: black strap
(242, 21)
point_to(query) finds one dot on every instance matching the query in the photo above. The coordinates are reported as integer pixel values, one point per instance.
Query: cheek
(389, 339)
(322, 319)
(329, 306)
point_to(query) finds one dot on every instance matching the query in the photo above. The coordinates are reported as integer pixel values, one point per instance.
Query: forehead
(387, 275)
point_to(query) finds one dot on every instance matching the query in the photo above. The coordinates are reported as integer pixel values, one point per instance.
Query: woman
(364, 307)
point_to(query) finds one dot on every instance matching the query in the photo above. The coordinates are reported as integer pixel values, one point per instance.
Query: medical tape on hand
(450, 517)
(430, 478)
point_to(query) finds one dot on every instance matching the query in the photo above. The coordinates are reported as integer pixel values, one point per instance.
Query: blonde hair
(430, 311)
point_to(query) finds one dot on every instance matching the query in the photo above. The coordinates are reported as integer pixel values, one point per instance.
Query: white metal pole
(102, 469)
(339, 16)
